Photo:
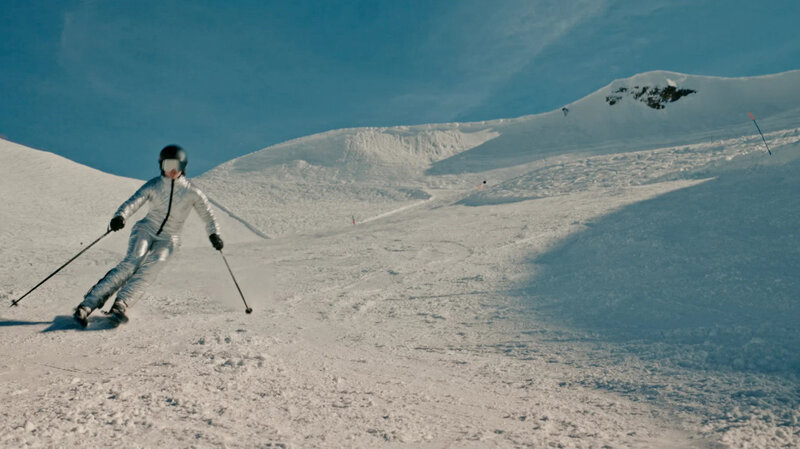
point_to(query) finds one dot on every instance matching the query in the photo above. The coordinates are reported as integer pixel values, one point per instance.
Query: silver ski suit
(153, 238)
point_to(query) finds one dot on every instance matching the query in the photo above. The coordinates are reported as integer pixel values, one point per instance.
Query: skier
(153, 239)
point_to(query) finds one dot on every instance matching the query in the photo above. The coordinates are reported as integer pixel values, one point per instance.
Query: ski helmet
(173, 152)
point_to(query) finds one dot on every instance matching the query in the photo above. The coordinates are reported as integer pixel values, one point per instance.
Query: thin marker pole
(762, 134)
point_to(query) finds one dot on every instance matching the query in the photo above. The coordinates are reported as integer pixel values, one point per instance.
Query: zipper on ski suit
(169, 207)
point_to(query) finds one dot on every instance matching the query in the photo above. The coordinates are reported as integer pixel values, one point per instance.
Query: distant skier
(153, 239)
(565, 110)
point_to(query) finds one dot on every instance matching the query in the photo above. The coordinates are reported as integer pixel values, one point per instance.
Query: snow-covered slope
(717, 109)
(640, 292)
(48, 200)
(326, 180)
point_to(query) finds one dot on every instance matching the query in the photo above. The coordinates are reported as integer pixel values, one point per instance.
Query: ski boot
(117, 313)
(82, 315)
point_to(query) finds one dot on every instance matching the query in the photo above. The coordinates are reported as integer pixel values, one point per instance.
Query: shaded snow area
(630, 285)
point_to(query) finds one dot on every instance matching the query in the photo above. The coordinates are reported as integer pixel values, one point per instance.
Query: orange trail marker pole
(762, 134)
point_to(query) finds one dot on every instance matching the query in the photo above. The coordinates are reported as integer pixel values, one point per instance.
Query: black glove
(216, 241)
(117, 223)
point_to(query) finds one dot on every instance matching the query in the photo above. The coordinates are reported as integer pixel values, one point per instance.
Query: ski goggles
(168, 165)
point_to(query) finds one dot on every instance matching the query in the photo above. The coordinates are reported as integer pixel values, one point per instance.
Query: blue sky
(108, 83)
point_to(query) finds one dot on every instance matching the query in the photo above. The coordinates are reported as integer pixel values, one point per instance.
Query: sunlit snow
(614, 276)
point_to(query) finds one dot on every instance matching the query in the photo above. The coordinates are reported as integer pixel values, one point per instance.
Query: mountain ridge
(350, 167)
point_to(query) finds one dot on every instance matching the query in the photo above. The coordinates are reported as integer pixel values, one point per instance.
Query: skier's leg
(146, 273)
(138, 246)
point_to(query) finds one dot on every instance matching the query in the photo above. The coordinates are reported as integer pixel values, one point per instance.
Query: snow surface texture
(626, 277)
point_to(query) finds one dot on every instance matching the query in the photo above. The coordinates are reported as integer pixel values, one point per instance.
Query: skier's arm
(203, 209)
(128, 208)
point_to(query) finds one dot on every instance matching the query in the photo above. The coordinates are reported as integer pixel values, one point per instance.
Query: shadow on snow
(708, 276)
(64, 323)
(9, 323)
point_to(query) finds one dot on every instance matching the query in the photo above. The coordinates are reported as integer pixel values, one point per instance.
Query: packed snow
(615, 276)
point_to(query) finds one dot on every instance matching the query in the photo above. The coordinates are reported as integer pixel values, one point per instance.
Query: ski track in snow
(398, 210)
(505, 317)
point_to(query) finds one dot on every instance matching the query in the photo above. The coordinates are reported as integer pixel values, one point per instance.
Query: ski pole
(762, 134)
(14, 303)
(246, 308)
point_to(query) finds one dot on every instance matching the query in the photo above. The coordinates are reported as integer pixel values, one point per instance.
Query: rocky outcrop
(654, 97)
